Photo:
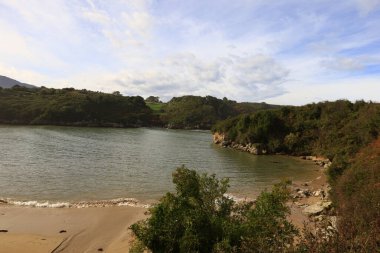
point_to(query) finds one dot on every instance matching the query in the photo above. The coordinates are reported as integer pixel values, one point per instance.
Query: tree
(152, 99)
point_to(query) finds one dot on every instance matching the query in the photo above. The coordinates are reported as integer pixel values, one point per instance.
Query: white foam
(34, 203)
(81, 204)
(238, 199)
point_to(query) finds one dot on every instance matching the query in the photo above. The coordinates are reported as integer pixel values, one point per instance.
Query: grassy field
(156, 107)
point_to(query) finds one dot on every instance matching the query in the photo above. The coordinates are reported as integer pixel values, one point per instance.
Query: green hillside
(346, 133)
(195, 112)
(68, 106)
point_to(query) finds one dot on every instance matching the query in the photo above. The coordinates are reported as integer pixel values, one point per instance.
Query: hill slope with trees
(44, 106)
(20, 105)
(195, 112)
(344, 132)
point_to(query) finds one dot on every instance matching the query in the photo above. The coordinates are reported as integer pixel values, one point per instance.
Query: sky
(274, 51)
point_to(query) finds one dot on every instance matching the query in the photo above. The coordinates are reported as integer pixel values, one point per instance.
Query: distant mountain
(6, 82)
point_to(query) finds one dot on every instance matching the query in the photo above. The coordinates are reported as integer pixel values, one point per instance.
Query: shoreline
(105, 228)
(118, 202)
(310, 200)
(95, 226)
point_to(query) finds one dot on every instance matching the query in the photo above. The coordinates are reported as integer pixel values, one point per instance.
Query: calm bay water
(72, 164)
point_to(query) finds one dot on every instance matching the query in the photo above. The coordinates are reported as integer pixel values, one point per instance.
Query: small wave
(238, 199)
(81, 204)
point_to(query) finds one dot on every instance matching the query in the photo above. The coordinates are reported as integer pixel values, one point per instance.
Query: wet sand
(42, 230)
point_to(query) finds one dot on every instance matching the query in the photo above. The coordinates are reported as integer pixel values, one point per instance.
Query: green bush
(357, 202)
(199, 217)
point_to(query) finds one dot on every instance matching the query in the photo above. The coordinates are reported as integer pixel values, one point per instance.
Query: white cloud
(351, 89)
(138, 22)
(343, 63)
(20, 50)
(367, 6)
(237, 77)
(22, 75)
(243, 50)
(96, 16)
(12, 44)
(52, 18)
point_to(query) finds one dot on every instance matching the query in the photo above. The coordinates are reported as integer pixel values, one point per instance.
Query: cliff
(253, 148)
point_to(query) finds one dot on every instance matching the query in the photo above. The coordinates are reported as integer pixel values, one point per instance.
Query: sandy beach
(39, 230)
(97, 229)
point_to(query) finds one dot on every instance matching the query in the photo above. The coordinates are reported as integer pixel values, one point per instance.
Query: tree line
(20, 105)
(68, 106)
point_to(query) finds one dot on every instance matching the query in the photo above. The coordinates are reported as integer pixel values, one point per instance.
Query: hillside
(6, 82)
(348, 135)
(21, 105)
(326, 129)
(68, 106)
(195, 112)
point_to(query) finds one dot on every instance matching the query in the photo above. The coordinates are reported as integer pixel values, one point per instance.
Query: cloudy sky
(284, 52)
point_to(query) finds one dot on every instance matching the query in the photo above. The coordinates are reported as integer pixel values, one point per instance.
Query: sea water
(50, 165)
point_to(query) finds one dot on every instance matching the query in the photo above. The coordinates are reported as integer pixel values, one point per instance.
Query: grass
(156, 107)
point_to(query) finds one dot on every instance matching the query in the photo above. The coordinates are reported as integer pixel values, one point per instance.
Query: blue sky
(284, 52)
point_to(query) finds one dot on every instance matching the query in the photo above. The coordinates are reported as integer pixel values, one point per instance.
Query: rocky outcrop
(253, 148)
(321, 161)
(218, 138)
(317, 208)
(259, 149)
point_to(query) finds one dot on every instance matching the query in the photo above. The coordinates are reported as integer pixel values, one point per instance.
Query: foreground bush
(199, 217)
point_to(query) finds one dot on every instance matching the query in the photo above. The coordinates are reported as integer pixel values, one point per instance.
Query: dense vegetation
(346, 133)
(336, 130)
(357, 194)
(198, 217)
(357, 203)
(21, 105)
(203, 112)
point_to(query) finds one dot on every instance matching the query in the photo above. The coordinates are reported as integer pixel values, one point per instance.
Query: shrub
(357, 198)
(199, 217)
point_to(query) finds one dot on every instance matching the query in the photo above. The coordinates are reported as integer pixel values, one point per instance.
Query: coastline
(306, 196)
(105, 227)
(310, 199)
